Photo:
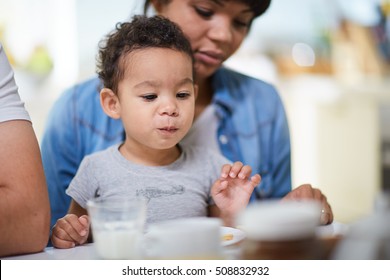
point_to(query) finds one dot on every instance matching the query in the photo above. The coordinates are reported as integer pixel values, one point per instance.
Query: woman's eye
(149, 97)
(203, 12)
(182, 95)
(241, 24)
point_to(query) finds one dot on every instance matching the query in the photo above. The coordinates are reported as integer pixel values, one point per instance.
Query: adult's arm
(24, 203)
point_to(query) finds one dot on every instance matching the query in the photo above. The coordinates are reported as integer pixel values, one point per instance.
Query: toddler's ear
(110, 103)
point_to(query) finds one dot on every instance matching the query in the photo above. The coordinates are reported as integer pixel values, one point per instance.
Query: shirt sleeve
(82, 186)
(11, 106)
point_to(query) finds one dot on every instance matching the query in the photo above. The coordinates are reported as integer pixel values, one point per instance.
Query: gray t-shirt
(178, 190)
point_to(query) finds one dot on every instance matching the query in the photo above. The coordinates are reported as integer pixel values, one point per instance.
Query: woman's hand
(70, 231)
(306, 191)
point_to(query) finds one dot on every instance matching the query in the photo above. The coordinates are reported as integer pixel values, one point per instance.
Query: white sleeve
(11, 106)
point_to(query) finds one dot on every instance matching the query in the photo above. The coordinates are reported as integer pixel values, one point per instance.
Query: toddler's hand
(70, 231)
(232, 191)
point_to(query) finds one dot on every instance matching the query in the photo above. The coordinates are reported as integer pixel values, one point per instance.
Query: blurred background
(329, 59)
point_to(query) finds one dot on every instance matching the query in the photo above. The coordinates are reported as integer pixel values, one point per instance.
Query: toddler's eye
(149, 97)
(182, 95)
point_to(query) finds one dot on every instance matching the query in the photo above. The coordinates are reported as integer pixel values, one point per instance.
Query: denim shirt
(252, 128)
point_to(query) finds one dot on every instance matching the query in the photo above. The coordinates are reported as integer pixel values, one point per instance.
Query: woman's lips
(210, 58)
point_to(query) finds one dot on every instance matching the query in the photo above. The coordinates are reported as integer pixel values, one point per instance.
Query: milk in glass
(117, 227)
(117, 244)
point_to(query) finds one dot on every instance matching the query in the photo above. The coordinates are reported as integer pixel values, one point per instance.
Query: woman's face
(215, 29)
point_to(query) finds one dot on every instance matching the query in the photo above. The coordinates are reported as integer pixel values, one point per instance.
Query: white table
(88, 252)
(84, 252)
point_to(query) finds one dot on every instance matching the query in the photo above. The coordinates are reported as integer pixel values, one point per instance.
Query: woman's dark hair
(141, 33)
(257, 6)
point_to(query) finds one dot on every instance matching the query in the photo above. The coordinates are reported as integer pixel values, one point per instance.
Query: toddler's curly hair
(141, 33)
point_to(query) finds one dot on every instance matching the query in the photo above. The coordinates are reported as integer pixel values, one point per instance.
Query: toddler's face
(157, 97)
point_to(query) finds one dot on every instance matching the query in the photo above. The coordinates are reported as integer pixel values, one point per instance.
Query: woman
(241, 117)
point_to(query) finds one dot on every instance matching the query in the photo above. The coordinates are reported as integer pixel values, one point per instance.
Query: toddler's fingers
(71, 224)
(62, 244)
(236, 168)
(245, 172)
(225, 170)
(219, 186)
(256, 179)
(61, 239)
(60, 233)
(84, 220)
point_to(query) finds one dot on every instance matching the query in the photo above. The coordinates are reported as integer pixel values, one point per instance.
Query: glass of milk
(117, 227)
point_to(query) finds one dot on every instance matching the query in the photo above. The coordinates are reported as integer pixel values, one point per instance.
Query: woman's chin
(204, 71)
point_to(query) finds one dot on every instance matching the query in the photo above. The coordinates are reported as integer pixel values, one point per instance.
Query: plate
(235, 235)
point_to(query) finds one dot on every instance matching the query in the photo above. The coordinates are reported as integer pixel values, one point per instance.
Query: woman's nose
(221, 30)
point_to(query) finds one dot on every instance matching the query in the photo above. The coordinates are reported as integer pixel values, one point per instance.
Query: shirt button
(223, 139)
